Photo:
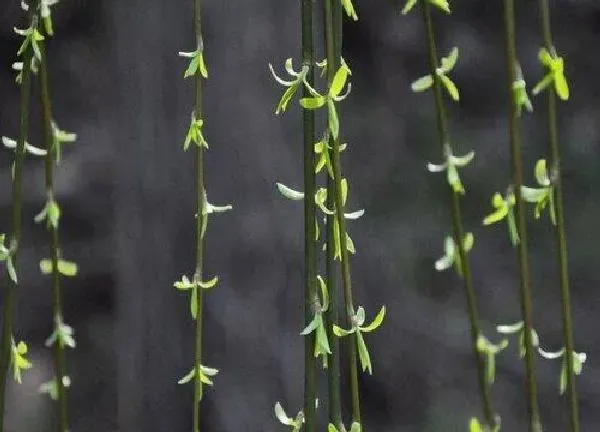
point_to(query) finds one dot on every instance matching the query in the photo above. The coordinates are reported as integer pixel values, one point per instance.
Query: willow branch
(200, 197)
(458, 231)
(332, 14)
(561, 237)
(59, 362)
(17, 204)
(308, 122)
(517, 174)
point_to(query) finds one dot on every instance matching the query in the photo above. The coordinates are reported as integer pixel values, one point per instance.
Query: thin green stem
(310, 256)
(59, 362)
(332, 12)
(332, 317)
(561, 238)
(346, 282)
(346, 276)
(200, 222)
(517, 174)
(17, 205)
(458, 230)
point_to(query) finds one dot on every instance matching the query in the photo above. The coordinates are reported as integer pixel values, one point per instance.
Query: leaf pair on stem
(358, 328)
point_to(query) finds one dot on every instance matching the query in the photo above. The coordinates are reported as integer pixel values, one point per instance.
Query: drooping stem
(16, 216)
(345, 263)
(59, 362)
(458, 231)
(346, 282)
(200, 222)
(310, 256)
(561, 238)
(517, 175)
(332, 12)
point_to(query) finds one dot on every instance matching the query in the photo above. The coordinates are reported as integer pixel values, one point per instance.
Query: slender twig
(517, 174)
(458, 230)
(561, 237)
(16, 215)
(59, 362)
(346, 276)
(200, 221)
(310, 256)
(332, 16)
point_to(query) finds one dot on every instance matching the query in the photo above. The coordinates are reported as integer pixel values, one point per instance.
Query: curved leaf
(376, 321)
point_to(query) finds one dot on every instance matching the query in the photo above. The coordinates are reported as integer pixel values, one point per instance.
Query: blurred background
(127, 195)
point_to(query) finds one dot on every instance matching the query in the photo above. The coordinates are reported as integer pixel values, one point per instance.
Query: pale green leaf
(339, 81)
(441, 4)
(450, 87)
(355, 427)
(282, 416)
(340, 332)
(188, 377)
(422, 84)
(377, 321)
(410, 4)
(313, 102)
(349, 8)
(332, 118)
(312, 326)
(461, 161)
(561, 86)
(194, 303)
(448, 62)
(363, 354)
(290, 193)
(209, 284)
(510, 328)
(541, 173)
(545, 82)
(474, 425)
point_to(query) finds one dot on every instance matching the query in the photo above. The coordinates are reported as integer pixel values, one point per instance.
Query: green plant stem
(346, 276)
(332, 12)
(332, 317)
(59, 362)
(561, 238)
(346, 283)
(458, 230)
(200, 221)
(17, 205)
(310, 256)
(517, 174)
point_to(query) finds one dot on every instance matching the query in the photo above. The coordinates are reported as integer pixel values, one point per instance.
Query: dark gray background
(126, 189)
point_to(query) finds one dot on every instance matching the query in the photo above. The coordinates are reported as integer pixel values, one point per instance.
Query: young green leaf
(60, 137)
(63, 334)
(474, 425)
(422, 84)
(313, 103)
(66, 268)
(18, 360)
(339, 81)
(450, 87)
(196, 64)
(51, 387)
(363, 354)
(188, 377)
(290, 193)
(448, 62)
(184, 284)
(555, 74)
(349, 8)
(209, 284)
(377, 321)
(50, 213)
